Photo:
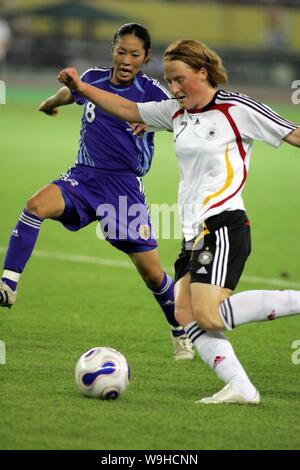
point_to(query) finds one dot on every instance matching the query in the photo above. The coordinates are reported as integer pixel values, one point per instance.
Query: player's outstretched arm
(61, 98)
(293, 137)
(113, 104)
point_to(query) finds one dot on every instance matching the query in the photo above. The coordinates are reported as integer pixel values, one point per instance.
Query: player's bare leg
(162, 287)
(206, 300)
(48, 202)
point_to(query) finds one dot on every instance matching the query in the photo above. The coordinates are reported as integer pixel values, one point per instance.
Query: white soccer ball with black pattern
(102, 372)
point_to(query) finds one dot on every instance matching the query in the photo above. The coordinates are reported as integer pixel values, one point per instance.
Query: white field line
(128, 265)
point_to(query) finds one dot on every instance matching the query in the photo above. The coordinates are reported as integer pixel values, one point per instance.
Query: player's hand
(138, 129)
(46, 108)
(70, 78)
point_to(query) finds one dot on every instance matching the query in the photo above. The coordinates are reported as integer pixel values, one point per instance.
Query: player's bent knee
(34, 207)
(208, 319)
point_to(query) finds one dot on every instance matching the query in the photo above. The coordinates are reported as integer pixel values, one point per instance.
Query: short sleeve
(158, 115)
(257, 121)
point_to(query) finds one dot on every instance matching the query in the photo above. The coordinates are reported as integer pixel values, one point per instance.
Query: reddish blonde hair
(197, 55)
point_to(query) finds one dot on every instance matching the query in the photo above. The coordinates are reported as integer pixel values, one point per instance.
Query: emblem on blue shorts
(144, 232)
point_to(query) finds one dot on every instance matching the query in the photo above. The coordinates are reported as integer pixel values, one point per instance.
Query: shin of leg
(48, 202)
(183, 305)
(259, 305)
(160, 284)
(148, 265)
(206, 300)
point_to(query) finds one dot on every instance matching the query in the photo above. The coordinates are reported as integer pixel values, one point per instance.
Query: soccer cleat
(229, 395)
(183, 348)
(7, 295)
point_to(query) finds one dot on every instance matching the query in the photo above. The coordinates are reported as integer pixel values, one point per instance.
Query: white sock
(216, 351)
(259, 305)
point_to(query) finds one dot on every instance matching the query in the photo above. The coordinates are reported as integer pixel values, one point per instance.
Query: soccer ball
(102, 372)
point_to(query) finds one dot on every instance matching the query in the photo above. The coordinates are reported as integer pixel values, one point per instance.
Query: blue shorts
(115, 199)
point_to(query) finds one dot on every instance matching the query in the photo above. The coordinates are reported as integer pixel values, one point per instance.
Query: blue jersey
(106, 142)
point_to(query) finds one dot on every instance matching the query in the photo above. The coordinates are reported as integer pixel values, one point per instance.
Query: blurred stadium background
(258, 39)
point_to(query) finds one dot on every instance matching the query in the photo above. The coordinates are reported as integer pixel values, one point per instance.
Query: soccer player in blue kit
(111, 160)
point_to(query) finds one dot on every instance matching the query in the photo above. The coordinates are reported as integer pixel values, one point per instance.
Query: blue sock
(164, 295)
(20, 247)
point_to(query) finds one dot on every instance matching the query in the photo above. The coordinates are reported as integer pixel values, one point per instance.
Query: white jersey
(213, 147)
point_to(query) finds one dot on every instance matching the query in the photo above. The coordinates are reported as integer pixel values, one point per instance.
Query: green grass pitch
(66, 306)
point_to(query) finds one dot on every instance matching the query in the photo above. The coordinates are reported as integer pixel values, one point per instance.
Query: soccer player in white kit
(213, 132)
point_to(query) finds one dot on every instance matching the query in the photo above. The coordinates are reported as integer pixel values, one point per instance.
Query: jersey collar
(206, 107)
